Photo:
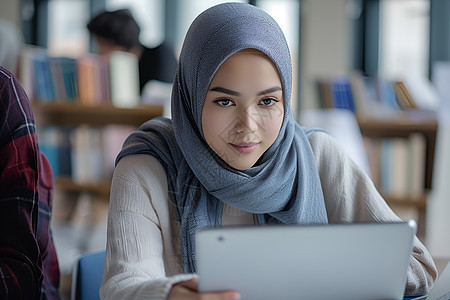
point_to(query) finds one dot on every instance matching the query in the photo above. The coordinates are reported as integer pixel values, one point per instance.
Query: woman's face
(243, 110)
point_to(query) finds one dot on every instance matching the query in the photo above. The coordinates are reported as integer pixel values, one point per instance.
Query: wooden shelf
(71, 114)
(402, 125)
(101, 188)
(61, 113)
(399, 125)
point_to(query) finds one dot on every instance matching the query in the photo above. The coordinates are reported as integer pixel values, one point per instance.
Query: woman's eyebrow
(225, 91)
(271, 90)
(235, 93)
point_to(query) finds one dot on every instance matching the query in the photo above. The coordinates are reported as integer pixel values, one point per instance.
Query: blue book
(49, 144)
(43, 79)
(338, 92)
(69, 72)
(342, 92)
(349, 95)
(65, 152)
(388, 97)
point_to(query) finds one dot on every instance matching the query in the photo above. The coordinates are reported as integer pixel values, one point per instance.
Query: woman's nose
(247, 121)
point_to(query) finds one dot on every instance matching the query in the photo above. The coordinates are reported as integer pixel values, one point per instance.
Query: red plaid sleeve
(28, 264)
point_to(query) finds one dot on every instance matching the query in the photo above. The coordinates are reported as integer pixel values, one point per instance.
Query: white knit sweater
(143, 253)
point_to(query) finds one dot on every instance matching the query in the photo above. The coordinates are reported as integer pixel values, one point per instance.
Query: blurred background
(374, 73)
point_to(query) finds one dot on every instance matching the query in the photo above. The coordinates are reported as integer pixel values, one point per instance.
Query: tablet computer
(344, 261)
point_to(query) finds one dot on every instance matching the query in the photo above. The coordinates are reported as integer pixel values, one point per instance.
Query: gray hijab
(282, 188)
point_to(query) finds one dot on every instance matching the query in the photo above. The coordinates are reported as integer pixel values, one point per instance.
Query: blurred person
(28, 262)
(118, 31)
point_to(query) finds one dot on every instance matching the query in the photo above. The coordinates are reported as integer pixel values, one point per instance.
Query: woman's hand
(189, 290)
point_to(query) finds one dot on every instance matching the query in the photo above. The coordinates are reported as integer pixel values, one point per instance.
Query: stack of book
(365, 95)
(398, 165)
(336, 93)
(86, 154)
(90, 79)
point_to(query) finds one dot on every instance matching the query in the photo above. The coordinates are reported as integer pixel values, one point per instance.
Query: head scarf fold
(283, 187)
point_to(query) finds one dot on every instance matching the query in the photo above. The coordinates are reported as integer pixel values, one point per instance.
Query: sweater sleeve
(138, 215)
(350, 196)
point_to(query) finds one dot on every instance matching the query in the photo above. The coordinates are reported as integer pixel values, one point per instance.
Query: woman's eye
(224, 102)
(268, 102)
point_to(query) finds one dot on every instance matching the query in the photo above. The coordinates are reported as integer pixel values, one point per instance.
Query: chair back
(87, 276)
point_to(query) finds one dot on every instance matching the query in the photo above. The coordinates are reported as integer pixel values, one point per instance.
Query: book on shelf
(89, 79)
(84, 153)
(423, 91)
(86, 157)
(124, 76)
(49, 143)
(113, 137)
(325, 94)
(336, 93)
(388, 95)
(404, 98)
(43, 78)
(92, 79)
(417, 161)
(26, 70)
(63, 73)
(365, 95)
(65, 152)
(54, 142)
(398, 165)
(399, 169)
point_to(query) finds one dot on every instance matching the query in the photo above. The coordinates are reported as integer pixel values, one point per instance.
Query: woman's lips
(244, 147)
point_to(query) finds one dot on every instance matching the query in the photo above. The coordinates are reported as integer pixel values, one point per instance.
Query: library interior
(373, 73)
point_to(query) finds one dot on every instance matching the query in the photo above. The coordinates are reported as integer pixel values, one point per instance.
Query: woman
(232, 154)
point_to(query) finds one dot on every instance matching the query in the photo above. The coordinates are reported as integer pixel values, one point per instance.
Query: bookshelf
(84, 109)
(399, 134)
(65, 113)
(403, 125)
(75, 114)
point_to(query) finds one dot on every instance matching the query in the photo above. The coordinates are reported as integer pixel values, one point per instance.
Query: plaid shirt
(28, 262)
